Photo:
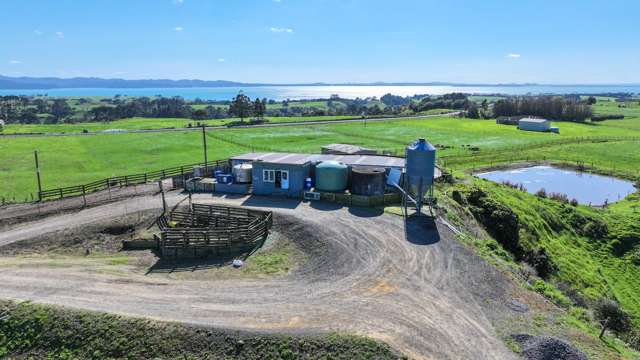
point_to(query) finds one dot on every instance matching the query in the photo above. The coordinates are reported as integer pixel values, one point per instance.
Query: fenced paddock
(212, 230)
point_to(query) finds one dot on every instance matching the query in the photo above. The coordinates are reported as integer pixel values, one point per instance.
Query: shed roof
(533, 120)
(301, 159)
(346, 148)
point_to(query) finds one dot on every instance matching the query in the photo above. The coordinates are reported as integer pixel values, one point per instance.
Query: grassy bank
(581, 253)
(37, 331)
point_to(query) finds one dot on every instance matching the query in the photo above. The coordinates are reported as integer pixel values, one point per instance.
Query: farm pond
(586, 188)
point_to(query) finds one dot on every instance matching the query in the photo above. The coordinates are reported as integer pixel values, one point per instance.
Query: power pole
(35, 153)
(204, 144)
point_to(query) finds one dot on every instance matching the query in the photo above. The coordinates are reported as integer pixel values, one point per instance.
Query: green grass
(610, 106)
(72, 160)
(39, 331)
(592, 267)
(596, 267)
(140, 123)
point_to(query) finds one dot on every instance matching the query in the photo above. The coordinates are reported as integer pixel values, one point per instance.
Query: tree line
(550, 107)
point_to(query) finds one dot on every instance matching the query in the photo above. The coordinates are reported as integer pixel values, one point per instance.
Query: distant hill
(44, 83)
(7, 82)
(82, 82)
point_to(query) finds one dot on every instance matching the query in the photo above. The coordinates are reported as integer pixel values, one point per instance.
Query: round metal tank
(421, 163)
(367, 180)
(242, 173)
(331, 176)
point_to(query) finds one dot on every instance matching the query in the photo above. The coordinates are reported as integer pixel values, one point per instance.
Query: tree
(60, 109)
(591, 100)
(240, 106)
(259, 108)
(611, 316)
(472, 111)
(200, 114)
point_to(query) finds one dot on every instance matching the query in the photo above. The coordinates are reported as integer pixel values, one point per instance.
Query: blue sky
(294, 41)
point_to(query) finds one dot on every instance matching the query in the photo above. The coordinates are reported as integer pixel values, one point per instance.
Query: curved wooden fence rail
(126, 180)
(212, 230)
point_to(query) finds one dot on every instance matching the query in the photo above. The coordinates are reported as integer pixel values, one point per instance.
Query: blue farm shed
(278, 174)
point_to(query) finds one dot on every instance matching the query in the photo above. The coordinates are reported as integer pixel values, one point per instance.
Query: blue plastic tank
(308, 184)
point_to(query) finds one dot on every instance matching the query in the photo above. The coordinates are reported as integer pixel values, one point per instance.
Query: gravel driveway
(412, 285)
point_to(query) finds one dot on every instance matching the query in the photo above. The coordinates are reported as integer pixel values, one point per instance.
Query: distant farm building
(531, 124)
(509, 120)
(346, 149)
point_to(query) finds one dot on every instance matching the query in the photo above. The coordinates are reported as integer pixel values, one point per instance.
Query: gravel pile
(547, 348)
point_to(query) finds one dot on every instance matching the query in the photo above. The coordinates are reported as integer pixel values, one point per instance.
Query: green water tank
(331, 176)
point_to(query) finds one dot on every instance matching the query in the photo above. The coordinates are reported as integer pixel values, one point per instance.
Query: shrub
(562, 198)
(551, 293)
(611, 316)
(457, 197)
(541, 261)
(574, 202)
(607, 117)
(542, 193)
(500, 221)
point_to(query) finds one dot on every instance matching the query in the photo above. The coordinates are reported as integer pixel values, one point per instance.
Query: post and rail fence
(123, 181)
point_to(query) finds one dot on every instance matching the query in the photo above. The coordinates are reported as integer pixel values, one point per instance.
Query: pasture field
(463, 144)
(141, 123)
(610, 106)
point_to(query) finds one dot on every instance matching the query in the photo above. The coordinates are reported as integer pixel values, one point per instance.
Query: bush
(541, 261)
(542, 193)
(562, 198)
(607, 117)
(611, 316)
(551, 293)
(500, 221)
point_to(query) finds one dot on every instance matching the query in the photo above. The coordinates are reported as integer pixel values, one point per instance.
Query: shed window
(268, 175)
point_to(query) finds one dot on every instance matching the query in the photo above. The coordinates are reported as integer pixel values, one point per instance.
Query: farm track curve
(410, 284)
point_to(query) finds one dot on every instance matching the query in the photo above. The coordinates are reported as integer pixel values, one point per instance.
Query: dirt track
(412, 286)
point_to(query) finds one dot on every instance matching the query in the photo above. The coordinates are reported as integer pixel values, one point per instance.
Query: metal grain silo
(331, 176)
(368, 180)
(420, 169)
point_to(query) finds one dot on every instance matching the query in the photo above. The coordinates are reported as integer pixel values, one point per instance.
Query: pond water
(587, 188)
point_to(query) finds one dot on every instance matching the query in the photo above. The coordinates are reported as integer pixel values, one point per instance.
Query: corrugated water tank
(367, 180)
(332, 176)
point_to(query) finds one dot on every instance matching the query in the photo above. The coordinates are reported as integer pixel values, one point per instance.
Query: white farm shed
(531, 124)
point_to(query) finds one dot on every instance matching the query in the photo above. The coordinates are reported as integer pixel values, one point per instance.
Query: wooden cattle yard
(212, 230)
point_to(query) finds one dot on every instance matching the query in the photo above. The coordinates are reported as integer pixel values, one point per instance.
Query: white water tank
(242, 173)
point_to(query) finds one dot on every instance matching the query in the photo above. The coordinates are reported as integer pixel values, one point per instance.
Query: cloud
(277, 0)
(281, 30)
(15, 62)
(222, 60)
(60, 34)
(38, 32)
(178, 2)
(513, 56)
(178, 28)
